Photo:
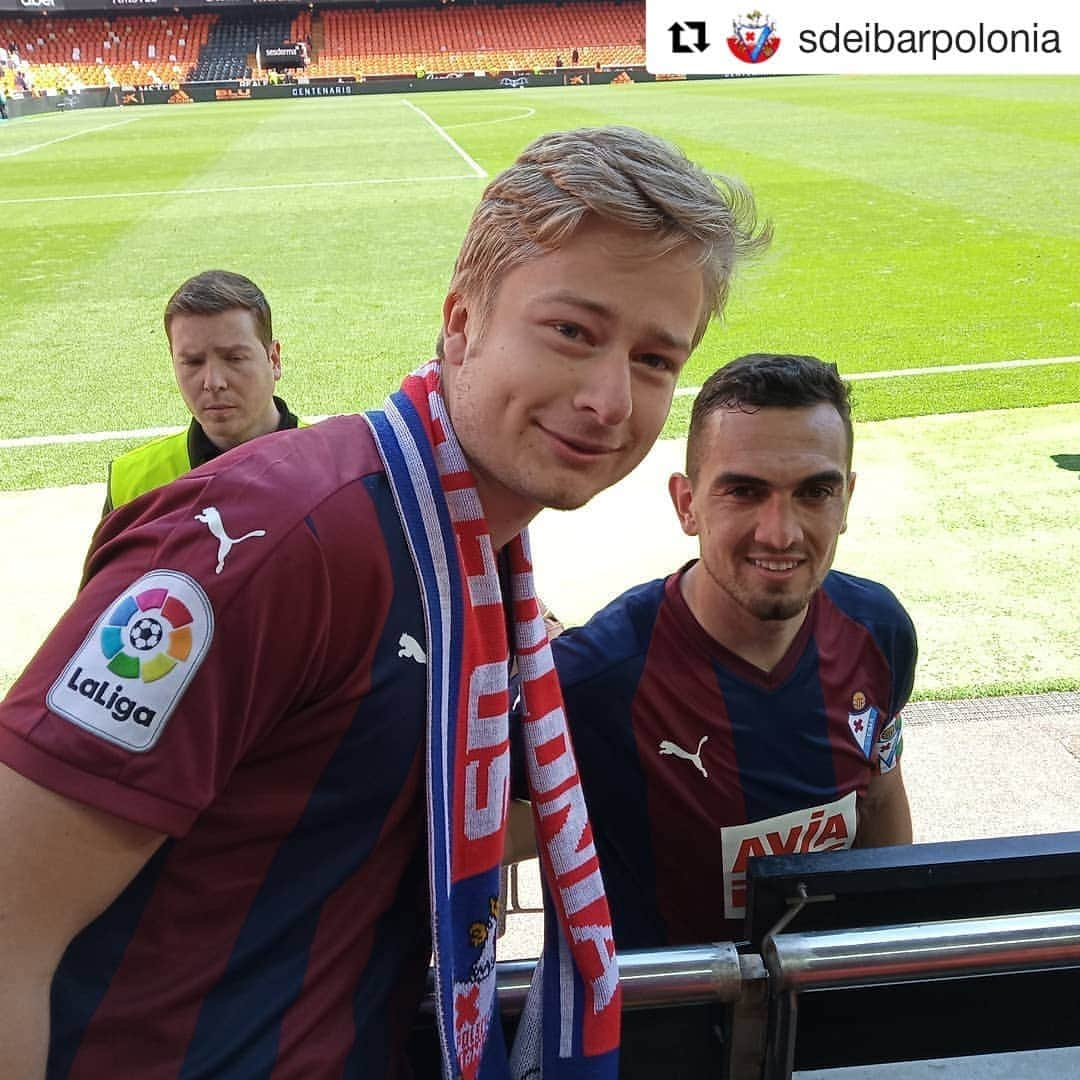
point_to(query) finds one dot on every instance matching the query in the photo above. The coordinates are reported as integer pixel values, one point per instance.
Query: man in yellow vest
(226, 362)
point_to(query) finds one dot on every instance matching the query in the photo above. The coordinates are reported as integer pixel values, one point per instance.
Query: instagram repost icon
(146, 635)
(754, 39)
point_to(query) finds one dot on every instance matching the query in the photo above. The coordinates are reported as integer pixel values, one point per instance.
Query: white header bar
(856, 37)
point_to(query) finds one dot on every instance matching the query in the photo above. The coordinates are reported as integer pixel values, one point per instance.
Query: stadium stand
(449, 38)
(234, 39)
(66, 52)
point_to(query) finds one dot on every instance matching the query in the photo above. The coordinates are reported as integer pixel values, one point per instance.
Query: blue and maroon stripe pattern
(643, 673)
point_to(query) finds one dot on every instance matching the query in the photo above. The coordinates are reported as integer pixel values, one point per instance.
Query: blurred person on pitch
(227, 362)
(259, 771)
(749, 704)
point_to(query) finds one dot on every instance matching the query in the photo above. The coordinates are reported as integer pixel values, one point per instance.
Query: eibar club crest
(474, 999)
(862, 723)
(754, 38)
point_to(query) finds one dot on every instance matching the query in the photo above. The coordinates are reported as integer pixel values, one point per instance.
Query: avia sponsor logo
(132, 669)
(753, 39)
(820, 828)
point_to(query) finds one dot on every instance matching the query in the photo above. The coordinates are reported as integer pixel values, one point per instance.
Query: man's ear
(682, 498)
(850, 489)
(274, 356)
(455, 328)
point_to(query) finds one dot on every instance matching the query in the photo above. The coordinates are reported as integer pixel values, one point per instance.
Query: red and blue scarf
(570, 1027)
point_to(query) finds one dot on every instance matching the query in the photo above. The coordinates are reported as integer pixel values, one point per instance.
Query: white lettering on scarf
(483, 732)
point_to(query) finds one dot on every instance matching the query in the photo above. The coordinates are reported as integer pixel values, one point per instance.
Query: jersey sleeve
(902, 651)
(207, 616)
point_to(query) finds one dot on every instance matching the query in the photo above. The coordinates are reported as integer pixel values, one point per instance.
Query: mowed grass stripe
(967, 518)
(872, 278)
(64, 138)
(681, 392)
(31, 466)
(175, 237)
(937, 147)
(246, 188)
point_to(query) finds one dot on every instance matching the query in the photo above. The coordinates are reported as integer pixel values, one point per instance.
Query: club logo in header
(754, 39)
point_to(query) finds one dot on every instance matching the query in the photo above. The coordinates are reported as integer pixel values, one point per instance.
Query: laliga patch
(131, 671)
(862, 726)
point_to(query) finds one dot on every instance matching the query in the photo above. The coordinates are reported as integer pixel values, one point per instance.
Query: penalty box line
(683, 391)
(64, 138)
(944, 369)
(478, 170)
(238, 187)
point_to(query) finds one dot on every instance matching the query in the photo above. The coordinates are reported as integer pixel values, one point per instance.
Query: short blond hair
(619, 175)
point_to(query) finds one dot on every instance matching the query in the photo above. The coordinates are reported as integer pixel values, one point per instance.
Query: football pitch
(919, 224)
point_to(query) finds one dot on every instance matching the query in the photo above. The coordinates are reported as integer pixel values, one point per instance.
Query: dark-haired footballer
(749, 704)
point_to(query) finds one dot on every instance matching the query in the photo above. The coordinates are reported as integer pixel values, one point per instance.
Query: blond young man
(214, 770)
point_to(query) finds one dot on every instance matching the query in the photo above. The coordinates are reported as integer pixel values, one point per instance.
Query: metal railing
(994, 945)
(763, 989)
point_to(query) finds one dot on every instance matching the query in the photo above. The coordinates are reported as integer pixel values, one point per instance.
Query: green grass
(949, 392)
(918, 222)
(971, 520)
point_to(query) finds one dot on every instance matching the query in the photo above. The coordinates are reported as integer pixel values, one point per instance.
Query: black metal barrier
(987, 961)
(93, 98)
(922, 884)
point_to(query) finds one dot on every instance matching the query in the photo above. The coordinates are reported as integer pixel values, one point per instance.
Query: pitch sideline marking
(64, 138)
(38, 116)
(240, 187)
(502, 119)
(945, 369)
(684, 391)
(441, 132)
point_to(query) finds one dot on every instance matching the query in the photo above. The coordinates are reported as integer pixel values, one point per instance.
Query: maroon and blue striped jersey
(244, 671)
(693, 760)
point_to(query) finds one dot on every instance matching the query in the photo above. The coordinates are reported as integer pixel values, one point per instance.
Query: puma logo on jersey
(409, 648)
(667, 747)
(212, 520)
